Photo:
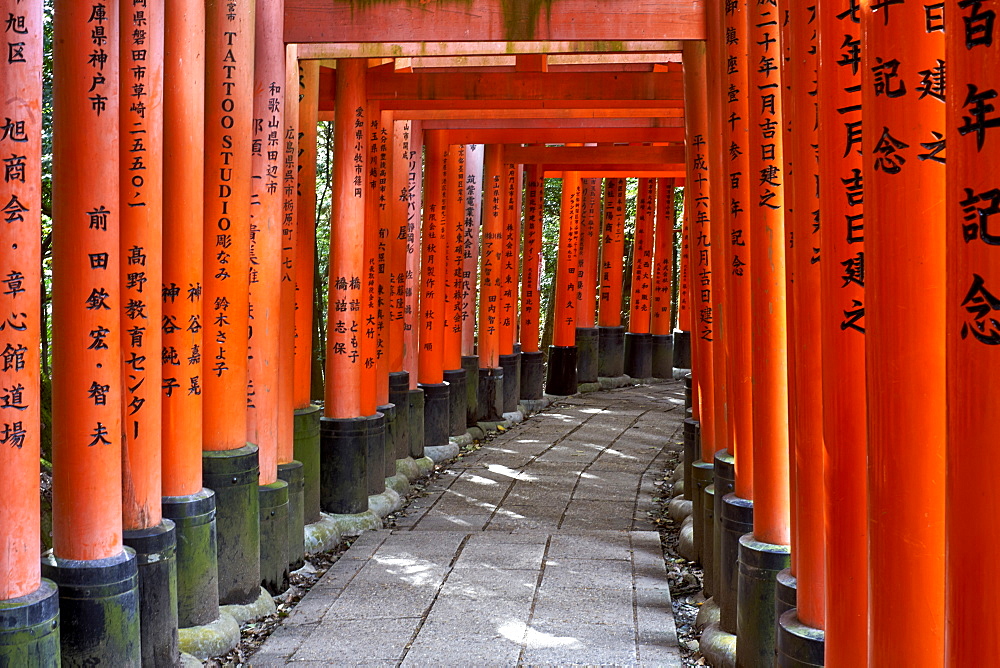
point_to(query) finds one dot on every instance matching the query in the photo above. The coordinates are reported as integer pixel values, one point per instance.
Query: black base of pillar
(458, 401)
(197, 557)
(561, 378)
(756, 626)
(587, 354)
(737, 521)
(511, 365)
(344, 474)
(690, 456)
(785, 593)
(437, 416)
(702, 475)
(389, 454)
(532, 375)
(291, 473)
(307, 452)
(399, 388)
(274, 537)
(415, 399)
(708, 538)
(725, 471)
(663, 356)
(234, 476)
(688, 391)
(29, 628)
(682, 350)
(799, 646)
(610, 352)
(471, 365)
(98, 609)
(638, 355)
(375, 449)
(156, 559)
(490, 395)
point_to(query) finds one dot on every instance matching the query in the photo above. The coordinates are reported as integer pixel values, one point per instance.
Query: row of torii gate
(839, 296)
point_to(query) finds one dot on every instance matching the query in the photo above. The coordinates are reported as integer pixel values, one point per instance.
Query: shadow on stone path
(535, 550)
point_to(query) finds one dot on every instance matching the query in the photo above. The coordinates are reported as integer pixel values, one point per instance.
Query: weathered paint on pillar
(453, 238)
(472, 207)
(305, 230)
(768, 300)
(904, 315)
(805, 350)
(642, 258)
(183, 239)
(684, 290)
(433, 266)
(564, 320)
(20, 301)
(663, 257)
(369, 279)
(612, 254)
(266, 247)
(510, 251)
(228, 127)
(842, 286)
(384, 219)
(590, 241)
(87, 396)
(413, 245)
(531, 270)
(344, 362)
(735, 141)
(696, 206)
(491, 258)
(973, 57)
(286, 335)
(141, 246)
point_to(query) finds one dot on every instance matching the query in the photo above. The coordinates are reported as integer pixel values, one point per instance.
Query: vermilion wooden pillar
(973, 57)
(305, 232)
(185, 500)
(471, 206)
(491, 261)
(383, 221)
(24, 596)
(343, 430)
(532, 374)
(638, 340)
(266, 248)
(842, 286)
(767, 548)
(452, 237)
(587, 334)
(663, 271)
(415, 198)
(561, 378)
(229, 115)
(510, 359)
(904, 315)
(611, 341)
(798, 638)
(87, 390)
(433, 286)
(395, 326)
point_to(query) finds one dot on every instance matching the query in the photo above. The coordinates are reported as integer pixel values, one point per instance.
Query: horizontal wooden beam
(594, 155)
(622, 174)
(334, 50)
(560, 135)
(666, 116)
(553, 124)
(492, 20)
(593, 60)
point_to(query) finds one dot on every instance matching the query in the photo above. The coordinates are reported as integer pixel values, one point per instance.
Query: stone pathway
(535, 550)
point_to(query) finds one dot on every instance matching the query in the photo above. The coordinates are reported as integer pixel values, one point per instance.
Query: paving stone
(442, 522)
(589, 573)
(580, 605)
(442, 644)
(595, 545)
(590, 644)
(504, 557)
(358, 641)
(488, 584)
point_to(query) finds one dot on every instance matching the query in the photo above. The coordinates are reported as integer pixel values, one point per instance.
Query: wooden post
(510, 361)
(452, 238)
(903, 318)
(590, 238)
(663, 254)
(842, 241)
(305, 230)
(562, 378)
(289, 201)
(24, 595)
(973, 57)
(491, 258)
(611, 335)
(414, 205)
(638, 340)
(473, 205)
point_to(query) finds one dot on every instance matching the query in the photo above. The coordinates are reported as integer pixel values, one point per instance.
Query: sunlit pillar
(472, 206)
(587, 334)
(561, 378)
(532, 359)
(29, 605)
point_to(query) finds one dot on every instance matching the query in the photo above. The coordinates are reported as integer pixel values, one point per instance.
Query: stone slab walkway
(536, 550)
